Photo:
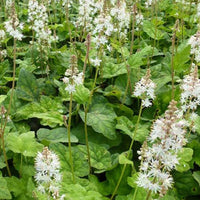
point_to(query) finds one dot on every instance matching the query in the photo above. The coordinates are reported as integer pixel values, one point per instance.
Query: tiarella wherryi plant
(144, 89)
(3, 52)
(166, 139)
(99, 100)
(48, 175)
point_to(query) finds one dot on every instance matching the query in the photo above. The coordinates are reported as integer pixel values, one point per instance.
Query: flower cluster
(3, 53)
(198, 10)
(190, 96)
(139, 19)
(184, 2)
(9, 4)
(194, 41)
(37, 16)
(148, 3)
(2, 34)
(65, 2)
(103, 19)
(72, 77)
(12, 26)
(121, 15)
(103, 29)
(145, 89)
(86, 12)
(48, 175)
(166, 139)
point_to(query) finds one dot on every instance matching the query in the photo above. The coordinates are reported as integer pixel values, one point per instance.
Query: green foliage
(185, 155)
(38, 105)
(186, 184)
(196, 176)
(4, 191)
(48, 110)
(102, 119)
(152, 30)
(27, 86)
(21, 188)
(100, 157)
(128, 128)
(82, 94)
(81, 167)
(24, 143)
(55, 135)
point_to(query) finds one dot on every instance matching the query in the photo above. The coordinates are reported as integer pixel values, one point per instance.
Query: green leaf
(4, 191)
(50, 118)
(186, 184)
(112, 70)
(152, 30)
(132, 180)
(171, 195)
(197, 124)
(181, 57)
(2, 98)
(185, 155)
(80, 163)
(24, 143)
(93, 136)
(77, 192)
(124, 160)
(124, 124)
(27, 86)
(26, 64)
(102, 119)
(136, 60)
(141, 193)
(82, 94)
(4, 68)
(196, 176)
(21, 188)
(195, 145)
(113, 177)
(113, 91)
(55, 135)
(15, 104)
(48, 110)
(100, 156)
(2, 164)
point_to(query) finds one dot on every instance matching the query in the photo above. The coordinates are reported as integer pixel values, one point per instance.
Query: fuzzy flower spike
(194, 41)
(159, 156)
(72, 76)
(190, 96)
(145, 89)
(48, 174)
(13, 26)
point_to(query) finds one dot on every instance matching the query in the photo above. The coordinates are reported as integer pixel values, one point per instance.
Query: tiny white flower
(70, 88)
(145, 89)
(48, 175)
(96, 62)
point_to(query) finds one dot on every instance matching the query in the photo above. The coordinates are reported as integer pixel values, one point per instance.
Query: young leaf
(27, 86)
(4, 191)
(102, 119)
(185, 155)
(100, 156)
(81, 167)
(24, 143)
(55, 135)
(81, 95)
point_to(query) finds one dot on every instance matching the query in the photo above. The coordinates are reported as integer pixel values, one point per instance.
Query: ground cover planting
(99, 99)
